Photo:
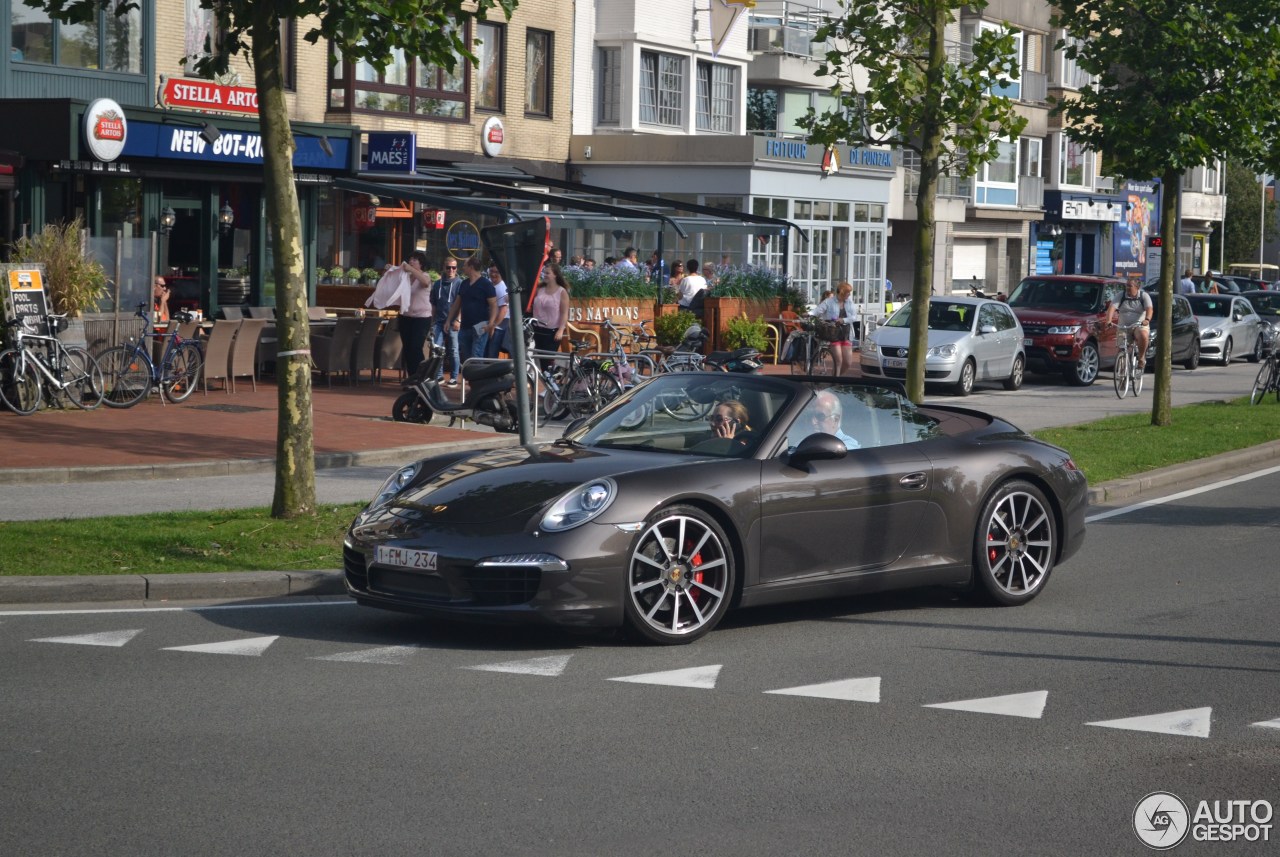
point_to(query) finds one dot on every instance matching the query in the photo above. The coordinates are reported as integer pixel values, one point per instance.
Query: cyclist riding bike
(1134, 308)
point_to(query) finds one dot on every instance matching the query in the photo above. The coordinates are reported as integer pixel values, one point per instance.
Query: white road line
(700, 677)
(1124, 510)
(114, 639)
(1192, 721)
(549, 666)
(252, 647)
(208, 608)
(383, 655)
(849, 690)
(1014, 705)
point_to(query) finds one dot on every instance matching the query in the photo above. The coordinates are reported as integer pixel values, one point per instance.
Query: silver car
(1228, 327)
(970, 340)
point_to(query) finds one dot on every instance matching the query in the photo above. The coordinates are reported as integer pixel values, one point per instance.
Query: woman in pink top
(550, 309)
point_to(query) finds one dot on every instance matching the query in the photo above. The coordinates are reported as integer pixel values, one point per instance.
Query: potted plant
(74, 282)
(337, 273)
(670, 328)
(370, 276)
(353, 276)
(742, 332)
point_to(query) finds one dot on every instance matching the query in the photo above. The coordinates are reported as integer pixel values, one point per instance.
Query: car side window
(987, 317)
(1180, 309)
(1005, 319)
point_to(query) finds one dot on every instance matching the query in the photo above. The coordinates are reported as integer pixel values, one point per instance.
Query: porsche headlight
(394, 485)
(944, 352)
(579, 505)
(1064, 329)
(1211, 333)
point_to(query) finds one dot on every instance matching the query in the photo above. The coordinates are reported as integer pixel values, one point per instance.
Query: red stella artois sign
(110, 126)
(207, 95)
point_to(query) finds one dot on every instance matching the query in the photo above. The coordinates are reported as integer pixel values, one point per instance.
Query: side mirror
(818, 447)
(987, 328)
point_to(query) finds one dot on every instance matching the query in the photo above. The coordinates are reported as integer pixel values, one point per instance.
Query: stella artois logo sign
(105, 129)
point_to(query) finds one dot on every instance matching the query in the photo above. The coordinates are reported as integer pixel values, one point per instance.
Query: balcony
(780, 36)
(1030, 192)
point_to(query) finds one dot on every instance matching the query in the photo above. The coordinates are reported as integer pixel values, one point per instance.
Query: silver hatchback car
(970, 340)
(1228, 327)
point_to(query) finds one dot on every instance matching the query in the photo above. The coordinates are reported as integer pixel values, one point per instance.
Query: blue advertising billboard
(1140, 221)
(392, 152)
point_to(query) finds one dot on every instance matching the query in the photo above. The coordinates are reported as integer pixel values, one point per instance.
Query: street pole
(1262, 221)
(515, 304)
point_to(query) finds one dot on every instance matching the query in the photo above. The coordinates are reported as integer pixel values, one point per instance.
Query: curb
(155, 588)
(236, 467)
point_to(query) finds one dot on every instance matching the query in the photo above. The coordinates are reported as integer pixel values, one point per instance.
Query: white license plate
(405, 558)
(1026, 342)
(895, 362)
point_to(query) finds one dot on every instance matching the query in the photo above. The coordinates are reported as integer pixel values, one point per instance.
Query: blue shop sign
(153, 140)
(882, 158)
(392, 152)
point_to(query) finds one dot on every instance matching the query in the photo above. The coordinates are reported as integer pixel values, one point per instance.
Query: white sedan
(970, 340)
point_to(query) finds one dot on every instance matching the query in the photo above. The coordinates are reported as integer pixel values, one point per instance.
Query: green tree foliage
(359, 29)
(1176, 85)
(899, 82)
(1245, 211)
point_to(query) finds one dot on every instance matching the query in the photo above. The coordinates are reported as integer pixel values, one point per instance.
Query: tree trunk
(926, 196)
(1170, 199)
(295, 489)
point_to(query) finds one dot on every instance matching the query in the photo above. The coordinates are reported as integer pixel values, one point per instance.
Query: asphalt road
(1043, 401)
(330, 729)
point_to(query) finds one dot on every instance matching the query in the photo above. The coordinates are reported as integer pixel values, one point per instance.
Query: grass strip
(176, 542)
(1128, 445)
(251, 540)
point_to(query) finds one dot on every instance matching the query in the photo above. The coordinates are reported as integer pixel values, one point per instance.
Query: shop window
(109, 43)
(609, 96)
(822, 210)
(490, 50)
(537, 73)
(406, 85)
(717, 97)
(661, 89)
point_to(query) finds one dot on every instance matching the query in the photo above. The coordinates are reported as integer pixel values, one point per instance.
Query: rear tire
(1262, 383)
(126, 375)
(1193, 361)
(181, 372)
(1014, 381)
(84, 379)
(1138, 374)
(1255, 356)
(968, 372)
(1226, 352)
(591, 391)
(1014, 546)
(1085, 370)
(20, 392)
(824, 363)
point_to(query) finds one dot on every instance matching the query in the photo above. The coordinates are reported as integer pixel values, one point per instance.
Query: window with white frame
(661, 89)
(1030, 157)
(997, 181)
(1073, 77)
(609, 97)
(1211, 176)
(717, 97)
(1012, 89)
(1075, 164)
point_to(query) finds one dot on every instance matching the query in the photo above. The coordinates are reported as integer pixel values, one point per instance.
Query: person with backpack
(1134, 308)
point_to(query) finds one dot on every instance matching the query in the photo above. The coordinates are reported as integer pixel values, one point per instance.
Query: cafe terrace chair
(267, 312)
(389, 349)
(244, 352)
(363, 353)
(316, 313)
(217, 353)
(787, 323)
(232, 313)
(332, 353)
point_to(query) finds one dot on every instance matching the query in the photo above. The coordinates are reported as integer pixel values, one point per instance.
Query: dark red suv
(1061, 317)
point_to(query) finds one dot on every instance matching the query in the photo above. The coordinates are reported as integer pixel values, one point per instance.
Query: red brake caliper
(694, 562)
(991, 552)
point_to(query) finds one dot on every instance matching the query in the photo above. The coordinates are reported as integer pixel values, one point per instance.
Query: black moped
(490, 399)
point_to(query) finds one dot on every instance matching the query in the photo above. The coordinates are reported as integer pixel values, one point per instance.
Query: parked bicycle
(807, 352)
(130, 373)
(576, 388)
(41, 364)
(1129, 370)
(1268, 379)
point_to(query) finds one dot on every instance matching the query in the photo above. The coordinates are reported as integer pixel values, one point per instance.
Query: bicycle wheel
(84, 379)
(1263, 383)
(800, 356)
(1121, 375)
(553, 407)
(823, 362)
(181, 372)
(126, 374)
(592, 390)
(1137, 374)
(19, 390)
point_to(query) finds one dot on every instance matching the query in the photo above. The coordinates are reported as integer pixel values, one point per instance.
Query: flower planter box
(588, 313)
(716, 313)
(350, 297)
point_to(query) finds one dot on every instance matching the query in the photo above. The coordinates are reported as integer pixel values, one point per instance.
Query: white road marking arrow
(384, 655)
(550, 666)
(1014, 705)
(700, 677)
(850, 689)
(252, 647)
(1268, 724)
(1193, 722)
(107, 638)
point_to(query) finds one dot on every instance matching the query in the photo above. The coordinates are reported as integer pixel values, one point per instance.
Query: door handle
(914, 481)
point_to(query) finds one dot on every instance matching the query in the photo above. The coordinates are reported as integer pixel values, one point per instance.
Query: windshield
(1268, 305)
(1210, 306)
(1054, 294)
(690, 413)
(943, 315)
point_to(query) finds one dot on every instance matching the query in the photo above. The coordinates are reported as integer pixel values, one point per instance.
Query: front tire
(126, 374)
(680, 577)
(1015, 545)
(1255, 356)
(1014, 381)
(181, 372)
(1085, 371)
(1226, 352)
(409, 408)
(1121, 375)
(824, 363)
(1262, 383)
(83, 377)
(1193, 361)
(968, 372)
